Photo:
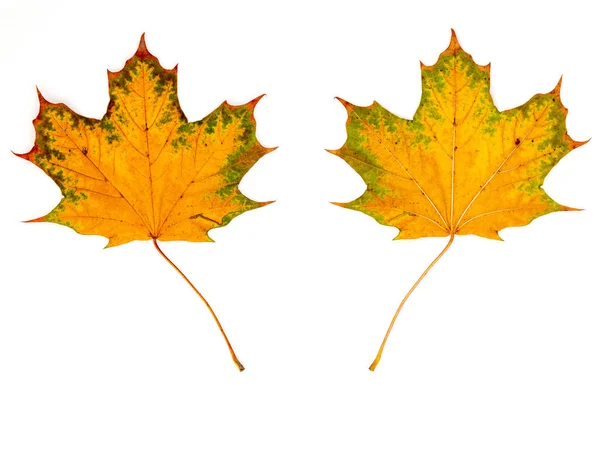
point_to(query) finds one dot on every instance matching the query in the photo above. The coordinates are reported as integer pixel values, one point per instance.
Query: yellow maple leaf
(460, 166)
(143, 172)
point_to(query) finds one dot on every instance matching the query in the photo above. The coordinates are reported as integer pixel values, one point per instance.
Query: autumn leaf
(143, 172)
(460, 166)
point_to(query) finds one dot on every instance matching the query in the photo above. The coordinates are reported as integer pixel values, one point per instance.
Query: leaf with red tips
(143, 171)
(460, 166)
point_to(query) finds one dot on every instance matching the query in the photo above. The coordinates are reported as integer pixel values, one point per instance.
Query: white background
(499, 348)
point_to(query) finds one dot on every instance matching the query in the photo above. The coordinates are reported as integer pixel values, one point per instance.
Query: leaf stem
(387, 334)
(233, 355)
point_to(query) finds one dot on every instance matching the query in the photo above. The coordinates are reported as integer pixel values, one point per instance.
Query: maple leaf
(143, 172)
(460, 166)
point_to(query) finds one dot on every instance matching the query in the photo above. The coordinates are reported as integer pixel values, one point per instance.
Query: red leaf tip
(142, 50)
(40, 97)
(344, 102)
(38, 220)
(252, 103)
(21, 155)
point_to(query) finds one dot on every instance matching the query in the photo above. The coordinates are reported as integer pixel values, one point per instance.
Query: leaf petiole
(387, 334)
(233, 355)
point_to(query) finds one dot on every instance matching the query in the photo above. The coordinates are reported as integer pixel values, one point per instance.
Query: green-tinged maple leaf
(143, 172)
(460, 166)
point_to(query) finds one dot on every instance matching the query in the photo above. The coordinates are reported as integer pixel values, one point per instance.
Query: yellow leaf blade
(459, 166)
(143, 171)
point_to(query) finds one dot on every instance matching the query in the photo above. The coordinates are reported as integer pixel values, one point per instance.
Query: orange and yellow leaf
(460, 166)
(143, 171)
